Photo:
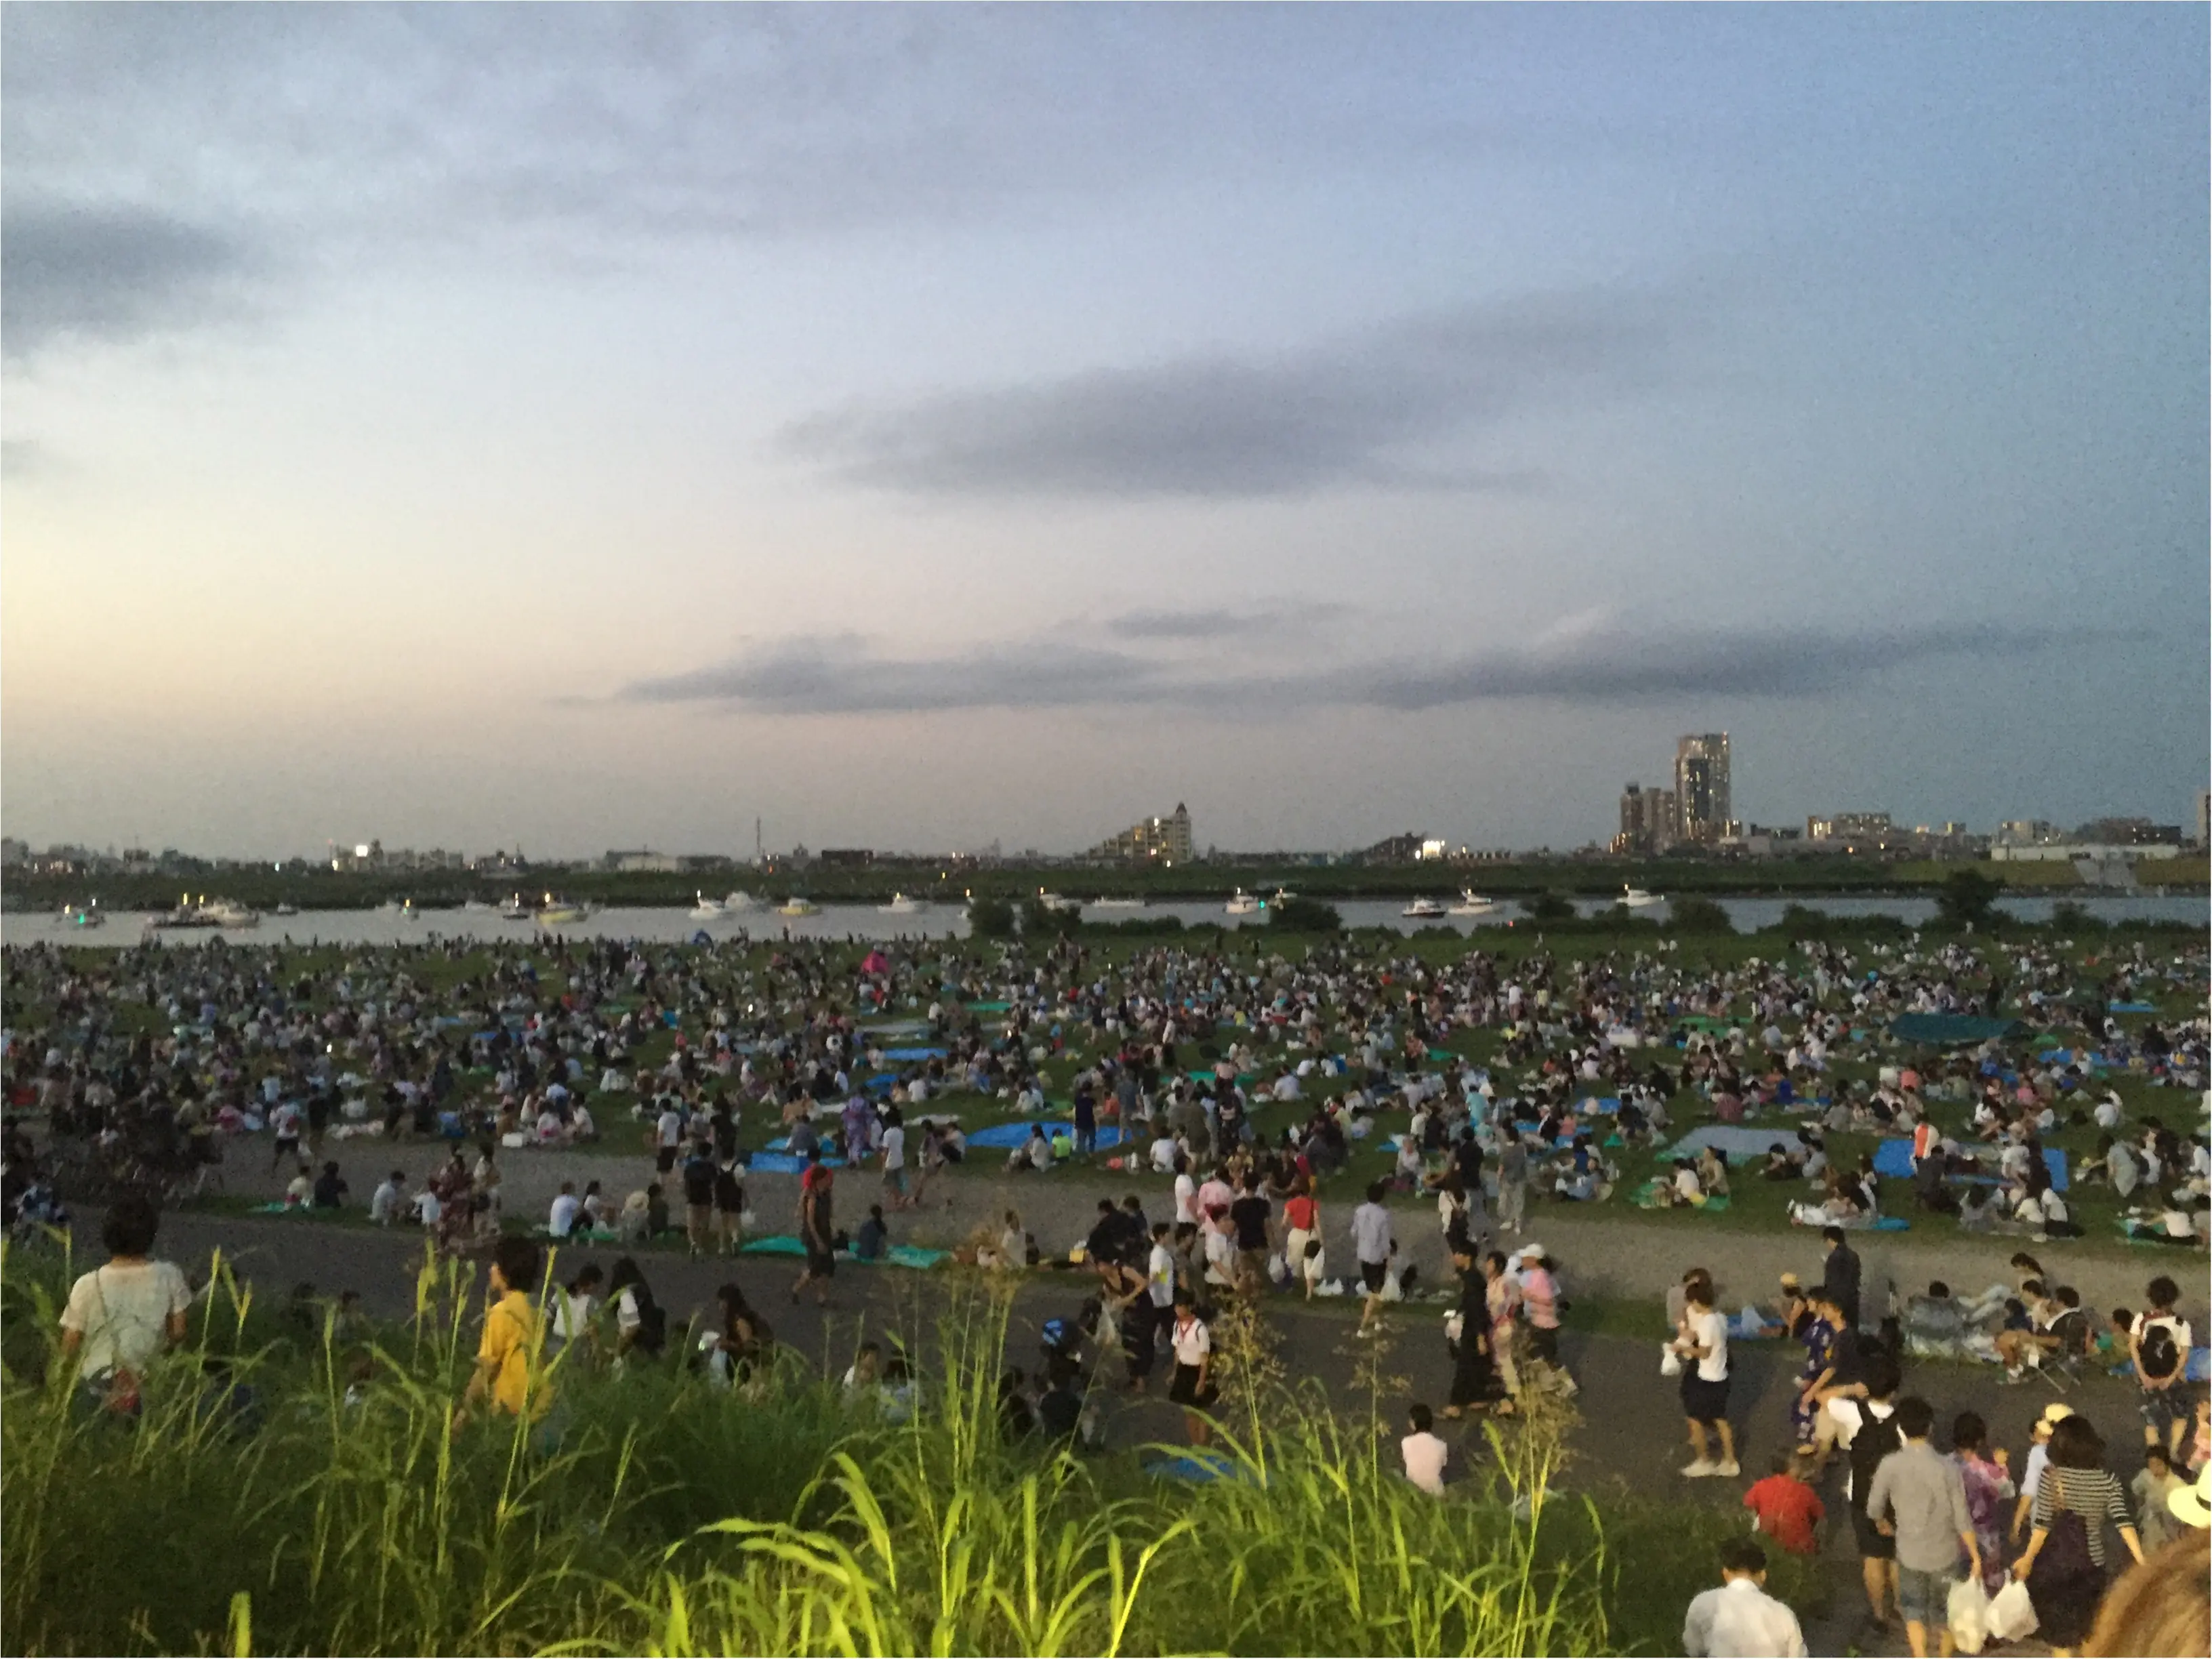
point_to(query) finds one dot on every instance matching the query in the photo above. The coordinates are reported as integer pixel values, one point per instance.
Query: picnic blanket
(1007, 1136)
(1893, 1158)
(1197, 1468)
(898, 1255)
(2131, 1007)
(785, 1164)
(915, 1054)
(988, 1007)
(1647, 1197)
(1738, 1140)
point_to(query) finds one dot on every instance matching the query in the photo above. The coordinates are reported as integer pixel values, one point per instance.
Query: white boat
(514, 910)
(84, 915)
(796, 906)
(1636, 899)
(559, 912)
(474, 904)
(902, 905)
(707, 910)
(1471, 904)
(1426, 910)
(737, 902)
(288, 911)
(1242, 904)
(1056, 901)
(1117, 904)
(1283, 895)
(228, 913)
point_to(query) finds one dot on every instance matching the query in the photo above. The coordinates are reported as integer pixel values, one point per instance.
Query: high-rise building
(1150, 841)
(1703, 804)
(1647, 820)
(1867, 829)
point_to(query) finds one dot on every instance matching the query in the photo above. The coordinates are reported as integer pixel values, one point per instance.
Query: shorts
(1544, 1343)
(2161, 1408)
(1874, 1545)
(895, 1181)
(664, 1159)
(1253, 1263)
(1924, 1598)
(1703, 1401)
(1372, 1273)
(1185, 1391)
(699, 1220)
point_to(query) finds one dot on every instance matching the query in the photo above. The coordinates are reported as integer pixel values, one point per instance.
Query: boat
(1471, 904)
(738, 902)
(1242, 904)
(474, 904)
(1426, 910)
(1056, 901)
(288, 911)
(408, 910)
(707, 910)
(1283, 895)
(229, 913)
(556, 912)
(796, 906)
(514, 910)
(389, 907)
(84, 915)
(1636, 899)
(902, 905)
(1117, 904)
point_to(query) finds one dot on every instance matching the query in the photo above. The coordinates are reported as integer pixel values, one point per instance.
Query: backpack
(1875, 1441)
(2158, 1353)
(2064, 1558)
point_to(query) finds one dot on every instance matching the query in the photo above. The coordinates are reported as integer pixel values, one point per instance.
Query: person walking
(816, 1230)
(1740, 1617)
(1918, 1500)
(2063, 1566)
(1701, 1344)
(1192, 1388)
(1988, 1483)
(1372, 1243)
(1512, 1182)
(1840, 1277)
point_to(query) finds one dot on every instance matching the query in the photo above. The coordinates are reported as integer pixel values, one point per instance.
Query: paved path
(1630, 1437)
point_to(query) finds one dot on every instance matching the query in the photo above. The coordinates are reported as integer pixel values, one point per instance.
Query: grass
(255, 1508)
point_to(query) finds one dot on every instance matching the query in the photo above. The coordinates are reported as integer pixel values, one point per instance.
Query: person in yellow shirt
(508, 1361)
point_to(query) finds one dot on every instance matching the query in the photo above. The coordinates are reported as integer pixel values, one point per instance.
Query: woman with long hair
(1988, 1484)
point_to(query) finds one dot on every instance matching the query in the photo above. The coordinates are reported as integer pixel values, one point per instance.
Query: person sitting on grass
(1741, 1617)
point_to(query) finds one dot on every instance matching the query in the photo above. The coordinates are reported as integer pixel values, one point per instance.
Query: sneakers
(1701, 1468)
(1729, 1470)
(2014, 1374)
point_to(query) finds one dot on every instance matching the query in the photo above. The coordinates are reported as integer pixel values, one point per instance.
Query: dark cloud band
(841, 675)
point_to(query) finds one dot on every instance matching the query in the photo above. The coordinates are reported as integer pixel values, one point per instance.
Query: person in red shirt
(1786, 1506)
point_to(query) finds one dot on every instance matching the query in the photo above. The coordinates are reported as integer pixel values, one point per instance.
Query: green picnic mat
(1648, 1193)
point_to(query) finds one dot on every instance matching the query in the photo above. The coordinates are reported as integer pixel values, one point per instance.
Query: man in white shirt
(1740, 1617)
(566, 1208)
(389, 1199)
(1371, 1244)
(1160, 1275)
(1425, 1453)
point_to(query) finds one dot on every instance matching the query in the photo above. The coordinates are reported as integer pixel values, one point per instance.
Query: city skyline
(583, 425)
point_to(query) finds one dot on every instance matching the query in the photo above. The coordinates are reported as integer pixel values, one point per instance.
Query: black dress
(1474, 1375)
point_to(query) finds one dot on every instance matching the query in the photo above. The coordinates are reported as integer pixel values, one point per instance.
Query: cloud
(23, 459)
(1591, 665)
(108, 272)
(1344, 412)
(839, 674)
(1611, 664)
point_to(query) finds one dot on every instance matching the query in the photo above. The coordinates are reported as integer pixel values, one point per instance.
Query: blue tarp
(1893, 1158)
(914, 1054)
(1008, 1136)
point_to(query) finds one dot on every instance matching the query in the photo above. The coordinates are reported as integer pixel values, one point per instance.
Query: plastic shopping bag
(2011, 1615)
(1670, 1363)
(1969, 1611)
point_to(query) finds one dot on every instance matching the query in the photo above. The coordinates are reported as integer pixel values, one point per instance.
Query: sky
(914, 428)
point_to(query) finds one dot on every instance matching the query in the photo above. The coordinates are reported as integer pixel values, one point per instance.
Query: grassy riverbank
(256, 1509)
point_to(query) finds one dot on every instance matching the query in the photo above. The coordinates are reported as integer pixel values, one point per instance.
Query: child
(2152, 1487)
(1785, 1507)
(1424, 1452)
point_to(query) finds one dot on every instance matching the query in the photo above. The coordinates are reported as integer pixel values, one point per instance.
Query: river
(866, 921)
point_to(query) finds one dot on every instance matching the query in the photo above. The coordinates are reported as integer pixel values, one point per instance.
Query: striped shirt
(2095, 1495)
